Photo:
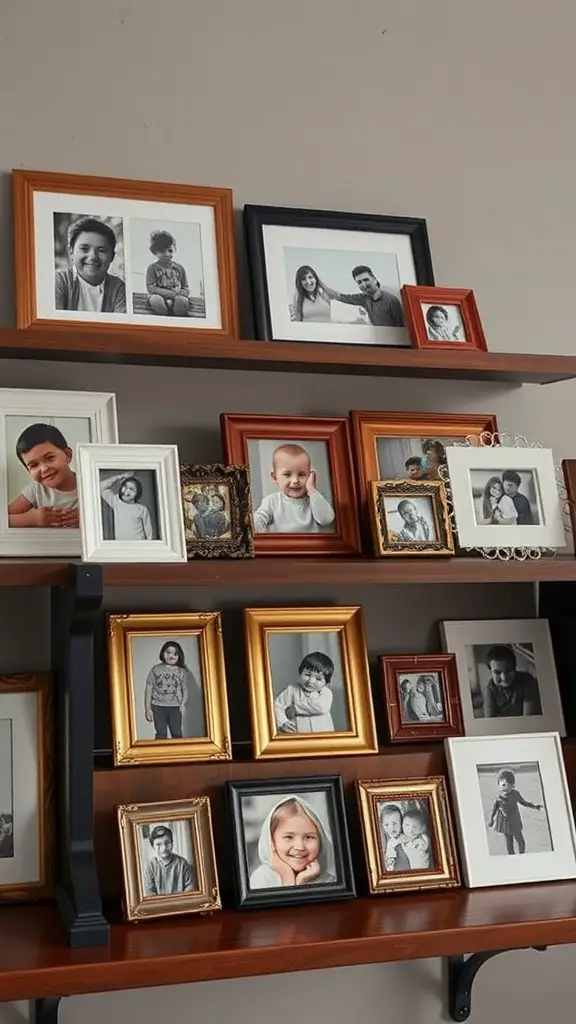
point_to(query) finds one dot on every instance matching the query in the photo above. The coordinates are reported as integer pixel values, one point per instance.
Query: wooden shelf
(35, 962)
(188, 348)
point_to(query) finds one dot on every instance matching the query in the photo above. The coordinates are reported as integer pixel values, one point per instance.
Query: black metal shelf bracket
(45, 1011)
(75, 609)
(462, 971)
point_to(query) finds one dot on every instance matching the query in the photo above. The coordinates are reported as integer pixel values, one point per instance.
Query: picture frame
(70, 229)
(443, 318)
(422, 697)
(26, 787)
(258, 809)
(357, 264)
(569, 474)
(407, 835)
(146, 525)
(410, 517)
(384, 442)
(217, 511)
(189, 720)
(477, 473)
(506, 675)
(39, 432)
(320, 449)
(329, 712)
(175, 834)
(493, 830)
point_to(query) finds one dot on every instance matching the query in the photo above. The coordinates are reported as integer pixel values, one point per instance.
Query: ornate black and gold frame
(386, 541)
(214, 479)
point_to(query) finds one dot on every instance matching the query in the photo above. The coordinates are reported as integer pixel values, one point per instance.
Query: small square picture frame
(217, 511)
(424, 858)
(187, 826)
(422, 697)
(425, 501)
(258, 808)
(103, 471)
(504, 841)
(320, 640)
(443, 318)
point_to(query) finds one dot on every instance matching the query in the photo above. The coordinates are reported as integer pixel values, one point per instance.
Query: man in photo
(511, 481)
(168, 872)
(383, 309)
(510, 693)
(415, 527)
(86, 285)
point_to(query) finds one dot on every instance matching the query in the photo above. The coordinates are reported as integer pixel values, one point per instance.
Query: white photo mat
(539, 461)
(48, 203)
(480, 868)
(162, 460)
(277, 237)
(459, 635)
(99, 411)
(23, 710)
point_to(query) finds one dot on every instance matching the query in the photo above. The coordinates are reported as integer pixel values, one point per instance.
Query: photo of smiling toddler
(50, 498)
(296, 504)
(294, 847)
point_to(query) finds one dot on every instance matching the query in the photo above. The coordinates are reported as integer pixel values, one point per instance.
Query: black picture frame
(344, 886)
(256, 217)
(236, 480)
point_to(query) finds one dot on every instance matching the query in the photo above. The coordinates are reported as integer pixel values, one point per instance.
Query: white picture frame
(530, 641)
(534, 466)
(108, 467)
(93, 414)
(537, 765)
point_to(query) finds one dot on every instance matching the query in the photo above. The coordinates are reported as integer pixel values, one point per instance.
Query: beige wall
(458, 112)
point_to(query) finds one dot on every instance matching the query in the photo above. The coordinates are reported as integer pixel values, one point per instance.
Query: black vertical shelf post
(75, 609)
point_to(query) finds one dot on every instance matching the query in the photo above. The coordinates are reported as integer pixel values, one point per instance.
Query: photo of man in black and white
(503, 681)
(167, 872)
(382, 308)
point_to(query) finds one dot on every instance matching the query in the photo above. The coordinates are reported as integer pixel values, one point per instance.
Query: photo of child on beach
(515, 809)
(405, 835)
(291, 486)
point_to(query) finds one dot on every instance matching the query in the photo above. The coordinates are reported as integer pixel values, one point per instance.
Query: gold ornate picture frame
(168, 688)
(309, 682)
(168, 859)
(410, 517)
(408, 835)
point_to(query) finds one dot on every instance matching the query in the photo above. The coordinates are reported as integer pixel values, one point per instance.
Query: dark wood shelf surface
(188, 348)
(35, 962)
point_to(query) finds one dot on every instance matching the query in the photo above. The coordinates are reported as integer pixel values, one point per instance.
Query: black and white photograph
(503, 680)
(515, 808)
(308, 683)
(410, 520)
(506, 497)
(411, 458)
(421, 697)
(165, 678)
(444, 323)
(332, 286)
(129, 501)
(6, 790)
(89, 265)
(167, 272)
(405, 835)
(207, 512)
(291, 486)
(167, 858)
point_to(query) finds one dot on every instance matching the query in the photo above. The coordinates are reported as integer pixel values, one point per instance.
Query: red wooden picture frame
(238, 430)
(401, 731)
(413, 296)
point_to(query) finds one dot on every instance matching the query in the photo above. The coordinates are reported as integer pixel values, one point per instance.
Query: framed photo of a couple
(324, 276)
(107, 251)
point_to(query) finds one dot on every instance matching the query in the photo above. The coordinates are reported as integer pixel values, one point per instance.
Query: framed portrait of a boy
(217, 511)
(301, 480)
(506, 675)
(422, 697)
(168, 688)
(410, 517)
(39, 433)
(105, 252)
(309, 682)
(168, 859)
(26, 787)
(408, 836)
(130, 503)
(513, 809)
(290, 841)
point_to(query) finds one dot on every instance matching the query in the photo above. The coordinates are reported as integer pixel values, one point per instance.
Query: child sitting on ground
(297, 507)
(166, 280)
(51, 498)
(305, 706)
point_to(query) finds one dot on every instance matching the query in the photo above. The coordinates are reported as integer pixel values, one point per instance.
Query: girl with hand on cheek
(294, 848)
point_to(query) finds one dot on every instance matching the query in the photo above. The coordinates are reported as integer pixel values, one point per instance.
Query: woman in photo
(497, 508)
(310, 302)
(437, 325)
(434, 457)
(294, 848)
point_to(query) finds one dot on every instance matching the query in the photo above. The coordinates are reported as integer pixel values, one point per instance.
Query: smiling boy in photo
(51, 499)
(86, 285)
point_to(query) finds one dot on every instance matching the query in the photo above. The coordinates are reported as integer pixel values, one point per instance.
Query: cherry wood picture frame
(239, 429)
(26, 183)
(413, 296)
(444, 665)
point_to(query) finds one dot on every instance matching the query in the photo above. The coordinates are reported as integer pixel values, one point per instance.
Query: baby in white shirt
(305, 706)
(297, 506)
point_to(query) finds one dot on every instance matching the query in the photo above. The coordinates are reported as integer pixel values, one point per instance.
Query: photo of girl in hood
(295, 847)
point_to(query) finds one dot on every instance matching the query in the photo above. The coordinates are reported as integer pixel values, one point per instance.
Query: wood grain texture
(183, 347)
